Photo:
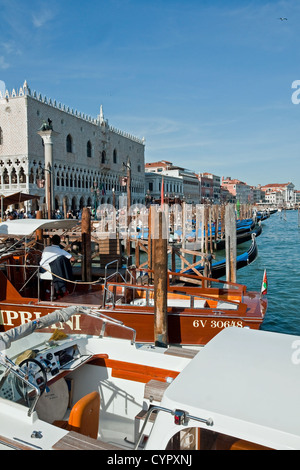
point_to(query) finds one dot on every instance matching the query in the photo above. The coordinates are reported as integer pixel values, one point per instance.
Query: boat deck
(88, 298)
(75, 441)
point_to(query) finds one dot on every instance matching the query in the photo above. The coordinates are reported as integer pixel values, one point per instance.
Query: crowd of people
(18, 214)
(58, 214)
(23, 214)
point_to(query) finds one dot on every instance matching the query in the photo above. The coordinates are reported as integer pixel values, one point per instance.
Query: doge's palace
(88, 154)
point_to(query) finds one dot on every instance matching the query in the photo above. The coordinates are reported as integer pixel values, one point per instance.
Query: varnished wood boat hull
(187, 325)
(184, 327)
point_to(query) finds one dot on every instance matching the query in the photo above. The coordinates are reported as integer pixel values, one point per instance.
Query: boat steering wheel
(35, 373)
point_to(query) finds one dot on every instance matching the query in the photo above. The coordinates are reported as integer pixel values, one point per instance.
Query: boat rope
(100, 279)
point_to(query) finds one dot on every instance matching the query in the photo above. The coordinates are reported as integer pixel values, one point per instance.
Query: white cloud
(3, 64)
(41, 18)
(10, 47)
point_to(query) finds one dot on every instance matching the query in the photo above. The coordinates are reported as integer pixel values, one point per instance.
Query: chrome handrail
(6, 362)
(208, 422)
(106, 319)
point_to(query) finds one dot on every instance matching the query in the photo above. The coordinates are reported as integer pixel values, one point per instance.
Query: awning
(26, 227)
(16, 198)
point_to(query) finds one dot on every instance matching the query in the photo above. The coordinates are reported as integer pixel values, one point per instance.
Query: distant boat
(242, 226)
(263, 215)
(243, 235)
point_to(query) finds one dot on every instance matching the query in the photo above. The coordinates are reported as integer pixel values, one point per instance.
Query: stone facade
(240, 190)
(173, 186)
(286, 189)
(189, 186)
(88, 153)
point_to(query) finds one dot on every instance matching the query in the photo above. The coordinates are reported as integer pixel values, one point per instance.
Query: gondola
(218, 269)
(240, 238)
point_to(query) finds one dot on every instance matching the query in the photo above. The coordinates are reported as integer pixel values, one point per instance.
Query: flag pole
(264, 285)
(162, 193)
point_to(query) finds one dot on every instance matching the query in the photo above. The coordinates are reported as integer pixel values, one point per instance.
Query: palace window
(13, 176)
(22, 176)
(89, 149)
(69, 143)
(1, 136)
(5, 177)
(115, 156)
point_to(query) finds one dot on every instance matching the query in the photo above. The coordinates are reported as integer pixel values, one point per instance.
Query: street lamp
(113, 198)
(96, 193)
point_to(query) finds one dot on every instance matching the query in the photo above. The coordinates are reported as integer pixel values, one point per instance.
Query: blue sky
(208, 83)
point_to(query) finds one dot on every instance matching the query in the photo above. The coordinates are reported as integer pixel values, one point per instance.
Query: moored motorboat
(194, 313)
(85, 392)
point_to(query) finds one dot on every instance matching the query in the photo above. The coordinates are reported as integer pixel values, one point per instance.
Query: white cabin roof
(25, 227)
(246, 381)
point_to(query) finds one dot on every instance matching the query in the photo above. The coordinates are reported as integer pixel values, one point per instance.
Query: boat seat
(84, 416)
(46, 276)
(154, 390)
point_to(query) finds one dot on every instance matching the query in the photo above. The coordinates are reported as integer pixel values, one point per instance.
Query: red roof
(162, 163)
(275, 185)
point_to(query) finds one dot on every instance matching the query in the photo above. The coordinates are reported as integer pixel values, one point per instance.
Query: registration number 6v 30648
(217, 323)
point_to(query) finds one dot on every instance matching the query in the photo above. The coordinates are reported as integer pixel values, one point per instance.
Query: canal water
(279, 254)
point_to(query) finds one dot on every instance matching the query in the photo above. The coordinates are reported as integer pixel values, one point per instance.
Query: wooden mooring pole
(39, 233)
(86, 263)
(230, 243)
(160, 283)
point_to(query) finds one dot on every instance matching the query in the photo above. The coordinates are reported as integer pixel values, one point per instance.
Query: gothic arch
(22, 176)
(81, 203)
(5, 176)
(56, 203)
(13, 176)
(74, 203)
